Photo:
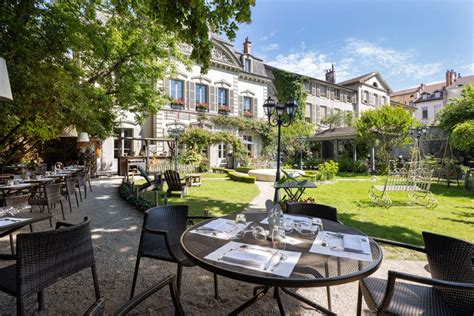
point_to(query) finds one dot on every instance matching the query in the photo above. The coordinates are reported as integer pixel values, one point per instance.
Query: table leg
(278, 299)
(308, 302)
(251, 301)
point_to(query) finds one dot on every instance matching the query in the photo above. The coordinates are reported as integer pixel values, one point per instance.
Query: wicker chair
(43, 258)
(450, 290)
(317, 210)
(68, 190)
(81, 182)
(174, 183)
(52, 195)
(160, 239)
(18, 201)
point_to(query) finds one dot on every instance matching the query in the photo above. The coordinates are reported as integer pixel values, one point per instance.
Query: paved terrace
(116, 232)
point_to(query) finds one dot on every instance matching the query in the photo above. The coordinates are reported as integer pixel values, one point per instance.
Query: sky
(407, 41)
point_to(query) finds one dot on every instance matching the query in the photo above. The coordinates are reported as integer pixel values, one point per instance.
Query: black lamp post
(420, 132)
(175, 130)
(302, 140)
(279, 115)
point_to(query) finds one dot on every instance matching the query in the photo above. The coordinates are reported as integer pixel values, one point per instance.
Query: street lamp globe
(291, 106)
(269, 107)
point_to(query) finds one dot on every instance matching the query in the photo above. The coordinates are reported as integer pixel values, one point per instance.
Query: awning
(338, 133)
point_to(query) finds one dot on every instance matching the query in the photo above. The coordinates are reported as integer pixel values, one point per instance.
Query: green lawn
(454, 215)
(220, 197)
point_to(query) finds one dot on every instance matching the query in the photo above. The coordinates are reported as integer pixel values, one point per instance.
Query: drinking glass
(240, 219)
(258, 232)
(278, 238)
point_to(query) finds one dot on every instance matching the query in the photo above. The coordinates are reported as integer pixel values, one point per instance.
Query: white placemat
(256, 258)
(5, 221)
(342, 245)
(220, 228)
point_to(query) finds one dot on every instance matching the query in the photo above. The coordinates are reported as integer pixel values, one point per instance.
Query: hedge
(243, 169)
(234, 176)
(126, 192)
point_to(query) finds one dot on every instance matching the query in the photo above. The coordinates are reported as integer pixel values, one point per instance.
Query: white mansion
(237, 84)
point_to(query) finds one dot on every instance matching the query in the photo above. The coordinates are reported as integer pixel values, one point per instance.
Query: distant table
(295, 189)
(7, 189)
(193, 179)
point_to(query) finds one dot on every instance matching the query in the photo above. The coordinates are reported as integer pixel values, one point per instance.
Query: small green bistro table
(295, 189)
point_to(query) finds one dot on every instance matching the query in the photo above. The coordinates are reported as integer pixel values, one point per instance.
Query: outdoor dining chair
(68, 190)
(81, 183)
(43, 258)
(18, 202)
(316, 210)
(52, 196)
(160, 239)
(174, 183)
(449, 291)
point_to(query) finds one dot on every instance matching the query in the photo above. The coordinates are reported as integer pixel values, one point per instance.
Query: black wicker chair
(450, 290)
(43, 258)
(18, 202)
(316, 210)
(52, 196)
(160, 239)
(68, 191)
(81, 182)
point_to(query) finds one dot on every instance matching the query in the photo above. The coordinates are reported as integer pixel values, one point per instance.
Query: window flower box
(177, 104)
(248, 114)
(202, 107)
(224, 109)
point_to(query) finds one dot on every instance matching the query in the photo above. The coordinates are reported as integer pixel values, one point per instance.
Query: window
(337, 94)
(222, 96)
(375, 84)
(248, 142)
(376, 99)
(323, 90)
(176, 89)
(127, 143)
(323, 111)
(437, 107)
(349, 96)
(384, 100)
(201, 93)
(247, 65)
(424, 113)
(437, 95)
(221, 150)
(424, 96)
(366, 97)
(307, 86)
(247, 105)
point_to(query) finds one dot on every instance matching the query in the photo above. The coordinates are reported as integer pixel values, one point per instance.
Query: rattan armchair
(160, 239)
(43, 258)
(316, 210)
(52, 196)
(68, 191)
(81, 182)
(18, 202)
(449, 291)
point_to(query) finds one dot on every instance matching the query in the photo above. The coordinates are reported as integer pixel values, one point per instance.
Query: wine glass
(278, 238)
(258, 232)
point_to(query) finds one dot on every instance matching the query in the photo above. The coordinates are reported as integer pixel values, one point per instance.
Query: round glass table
(311, 270)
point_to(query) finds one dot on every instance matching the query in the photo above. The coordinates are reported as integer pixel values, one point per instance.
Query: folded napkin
(352, 243)
(251, 257)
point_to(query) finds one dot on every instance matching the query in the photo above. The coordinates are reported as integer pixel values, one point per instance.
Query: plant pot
(223, 112)
(177, 106)
(202, 109)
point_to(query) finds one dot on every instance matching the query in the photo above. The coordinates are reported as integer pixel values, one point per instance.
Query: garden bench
(415, 182)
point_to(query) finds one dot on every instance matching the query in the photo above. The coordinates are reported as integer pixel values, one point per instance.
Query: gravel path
(116, 231)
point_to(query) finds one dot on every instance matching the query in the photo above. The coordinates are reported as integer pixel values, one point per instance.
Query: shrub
(330, 168)
(204, 165)
(126, 193)
(348, 165)
(235, 177)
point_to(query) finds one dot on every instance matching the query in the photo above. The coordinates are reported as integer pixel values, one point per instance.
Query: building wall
(433, 106)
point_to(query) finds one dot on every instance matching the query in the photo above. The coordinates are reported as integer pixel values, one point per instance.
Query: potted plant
(177, 104)
(248, 114)
(202, 107)
(224, 109)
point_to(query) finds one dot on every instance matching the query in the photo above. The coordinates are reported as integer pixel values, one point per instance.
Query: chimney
(449, 77)
(331, 75)
(247, 46)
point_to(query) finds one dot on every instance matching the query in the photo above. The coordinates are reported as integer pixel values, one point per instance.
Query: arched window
(375, 84)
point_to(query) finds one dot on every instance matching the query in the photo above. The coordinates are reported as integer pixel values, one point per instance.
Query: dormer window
(437, 94)
(424, 96)
(247, 64)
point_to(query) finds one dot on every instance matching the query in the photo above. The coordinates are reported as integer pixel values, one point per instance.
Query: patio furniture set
(317, 250)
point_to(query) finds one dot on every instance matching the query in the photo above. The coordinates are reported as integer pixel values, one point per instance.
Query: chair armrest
(7, 256)
(163, 233)
(63, 224)
(394, 275)
(399, 244)
(125, 309)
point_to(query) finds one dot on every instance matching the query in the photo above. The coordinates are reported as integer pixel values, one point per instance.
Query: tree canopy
(462, 137)
(82, 63)
(385, 127)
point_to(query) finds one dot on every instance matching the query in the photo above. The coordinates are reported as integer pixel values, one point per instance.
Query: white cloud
(269, 47)
(310, 63)
(468, 68)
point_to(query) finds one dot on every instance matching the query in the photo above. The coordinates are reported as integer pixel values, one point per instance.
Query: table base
(261, 291)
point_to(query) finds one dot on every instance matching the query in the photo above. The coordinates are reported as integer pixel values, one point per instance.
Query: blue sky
(407, 41)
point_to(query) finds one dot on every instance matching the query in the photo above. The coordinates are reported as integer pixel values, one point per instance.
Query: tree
(458, 110)
(462, 137)
(386, 128)
(81, 63)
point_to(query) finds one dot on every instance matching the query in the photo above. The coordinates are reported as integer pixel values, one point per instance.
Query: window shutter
(255, 107)
(241, 100)
(332, 94)
(212, 99)
(313, 89)
(318, 114)
(186, 94)
(318, 91)
(166, 87)
(354, 95)
(231, 100)
(192, 102)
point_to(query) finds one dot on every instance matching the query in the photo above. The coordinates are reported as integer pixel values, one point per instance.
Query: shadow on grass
(392, 232)
(466, 215)
(443, 190)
